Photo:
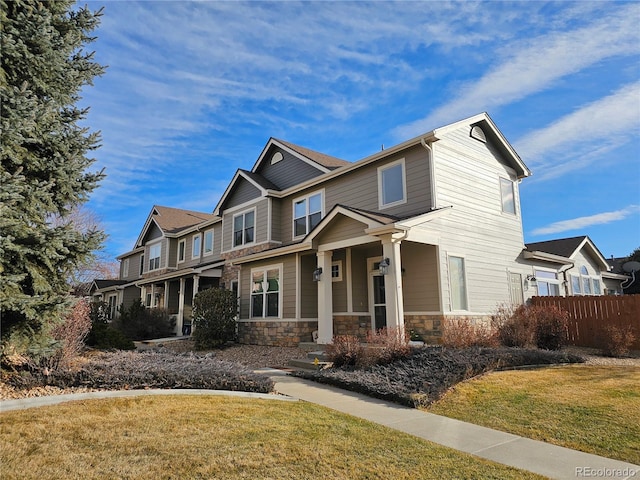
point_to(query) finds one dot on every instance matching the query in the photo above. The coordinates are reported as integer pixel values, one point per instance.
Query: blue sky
(194, 90)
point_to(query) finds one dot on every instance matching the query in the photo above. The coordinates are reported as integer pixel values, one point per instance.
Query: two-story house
(426, 229)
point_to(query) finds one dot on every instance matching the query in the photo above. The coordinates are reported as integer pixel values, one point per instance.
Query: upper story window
(392, 187)
(548, 283)
(243, 228)
(195, 247)
(154, 256)
(307, 213)
(125, 268)
(182, 247)
(507, 192)
(208, 243)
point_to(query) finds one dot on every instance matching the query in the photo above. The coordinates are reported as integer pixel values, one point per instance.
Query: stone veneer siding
(275, 333)
(358, 325)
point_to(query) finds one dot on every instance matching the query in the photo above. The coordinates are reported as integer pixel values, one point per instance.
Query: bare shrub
(550, 326)
(616, 341)
(514, 327)
(460, 332)
(71, 333)
(345, 350)
(385, 346)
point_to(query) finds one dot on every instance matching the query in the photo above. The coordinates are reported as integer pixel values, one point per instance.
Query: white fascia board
(147, 224)
(547, 257)
(425, 217)
(129, 253)
(614, 276)
(595, 253)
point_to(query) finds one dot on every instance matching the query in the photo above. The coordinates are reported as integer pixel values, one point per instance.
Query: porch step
(308, 346)
(319, 354)
(308, 363)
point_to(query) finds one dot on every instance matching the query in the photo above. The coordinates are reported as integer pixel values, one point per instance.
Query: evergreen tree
(44, 172)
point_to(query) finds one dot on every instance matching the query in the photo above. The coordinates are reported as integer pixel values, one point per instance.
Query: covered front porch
(175, 292)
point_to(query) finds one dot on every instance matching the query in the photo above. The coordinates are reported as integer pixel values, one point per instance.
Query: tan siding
(261, 224)
(360, 276)
(420, 277)
(340, 288)
(134, 267)
(308, 288)
(341, 228)
(467, 178)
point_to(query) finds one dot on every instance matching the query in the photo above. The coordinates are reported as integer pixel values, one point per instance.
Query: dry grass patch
(592, 409)
(219, 437)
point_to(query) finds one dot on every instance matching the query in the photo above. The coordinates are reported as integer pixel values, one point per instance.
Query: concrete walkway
(534, 456)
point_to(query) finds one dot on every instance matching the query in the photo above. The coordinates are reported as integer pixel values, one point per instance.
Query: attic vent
(276, 158)
(478, 134)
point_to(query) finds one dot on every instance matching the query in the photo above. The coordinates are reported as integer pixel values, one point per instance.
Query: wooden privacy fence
(588, 315)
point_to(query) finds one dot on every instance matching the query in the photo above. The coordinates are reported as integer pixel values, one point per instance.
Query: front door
(377, 295)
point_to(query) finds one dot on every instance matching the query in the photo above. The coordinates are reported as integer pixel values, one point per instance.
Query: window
(182, 246)
(125, 268)
(508, 196)
(154, 256)
(141, 264)
(307, 213)
(457, 279)
(548, 284)
(243, 228)
(208, 242)
(148, 300)
(265, 292)
(597, 290)
(195, 247)
(575, 285)
(336, 271)
(391, 185)
(111, 313)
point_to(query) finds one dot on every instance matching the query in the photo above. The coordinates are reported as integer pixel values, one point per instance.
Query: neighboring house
(417, 232)
(622, 266)
(114, 293)
(570, 266)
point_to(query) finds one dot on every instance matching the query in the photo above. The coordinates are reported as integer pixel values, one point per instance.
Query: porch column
(393, 282)
(196, 286)
(180, 320)
(325, 298)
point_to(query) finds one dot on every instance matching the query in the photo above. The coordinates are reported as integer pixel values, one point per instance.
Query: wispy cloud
(584, 222)
(533, 66)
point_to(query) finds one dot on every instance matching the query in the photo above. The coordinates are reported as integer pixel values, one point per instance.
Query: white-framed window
(548, 283)
(141, 264)
(392, 185)
(576, 285)
(196, 242)
(207, 247)
(147, 302)
(182, 250)
(507, 193)
(125, 268)
(266, 291)
(113, 307)
(154, 256)
(597, 288)
(336, 271)
(458, 283)
(307, 213)
(244, 228)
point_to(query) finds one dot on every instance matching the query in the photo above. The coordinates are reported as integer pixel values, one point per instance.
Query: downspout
(432, 179)
(565, 282)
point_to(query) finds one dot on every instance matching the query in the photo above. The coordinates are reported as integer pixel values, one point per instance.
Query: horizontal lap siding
(308, 288)
(341, 228)
(468, 178)
(243, 192)
(289, 171)
(420, 277)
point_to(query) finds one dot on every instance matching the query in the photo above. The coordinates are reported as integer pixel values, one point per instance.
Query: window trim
(307, 215)
(504, 181)
(194, 255)
(549, 281)
(125, 268)
(159, 257)
(265, 269)
(182, 243)
(338, 278)
(244, 228)
(464, 279)
(206, 253)
(381, 170)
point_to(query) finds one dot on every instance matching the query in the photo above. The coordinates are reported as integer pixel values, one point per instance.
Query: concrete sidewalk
(532, 455)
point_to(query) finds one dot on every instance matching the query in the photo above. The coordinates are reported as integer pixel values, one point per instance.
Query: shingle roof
(325, 160)
(100, 284)
(172, 220)
(563, 247)
(260, 180)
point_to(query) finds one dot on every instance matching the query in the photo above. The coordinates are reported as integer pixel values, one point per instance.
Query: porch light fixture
(317, 273)
(531, 281)
(384, 266)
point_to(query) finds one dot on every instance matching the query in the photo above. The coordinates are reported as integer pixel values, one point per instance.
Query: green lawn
(188, 437)
(587, 408)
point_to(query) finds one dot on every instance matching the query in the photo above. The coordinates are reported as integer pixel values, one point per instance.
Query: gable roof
(568, 248)
(172, 220)
(323, 159)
